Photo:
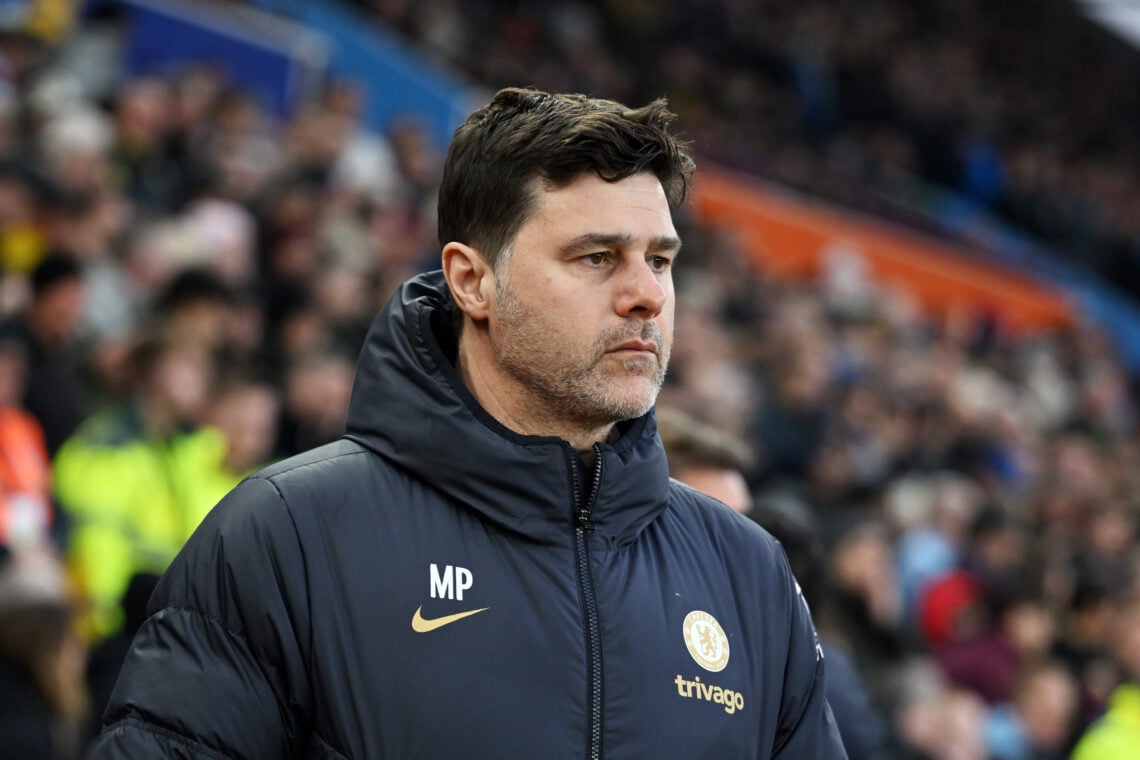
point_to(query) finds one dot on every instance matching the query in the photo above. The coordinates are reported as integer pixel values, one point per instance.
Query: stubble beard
(578, 390)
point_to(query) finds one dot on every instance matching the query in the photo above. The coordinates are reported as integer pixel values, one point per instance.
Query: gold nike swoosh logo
(420, 624)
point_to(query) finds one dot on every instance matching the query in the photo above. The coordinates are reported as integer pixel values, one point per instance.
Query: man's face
(582, 322)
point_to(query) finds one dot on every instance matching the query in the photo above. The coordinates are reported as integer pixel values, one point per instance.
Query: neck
(518, 410)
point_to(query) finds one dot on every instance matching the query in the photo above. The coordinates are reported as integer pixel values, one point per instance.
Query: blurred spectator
(221, 237)
(88, 227)
(138, 477)
(860, 723)
(26, 513)
(791, 423)
(865, 587)
(364, 163)
(43, 702)
(317, 389)
(194, 308)
(75, 143)
(1083, 643)
(934, 514)
(55, 391)
(23, 242)
(144, 165)
(1006, 631)
(341, 294)
(106, 657)
(246, 412)
(702, 457)
(952, 611)
(935, 721)
(1037, 723)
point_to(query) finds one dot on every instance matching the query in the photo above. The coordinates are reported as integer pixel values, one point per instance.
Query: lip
(636, 346)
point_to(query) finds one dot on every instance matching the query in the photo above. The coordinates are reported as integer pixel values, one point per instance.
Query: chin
(634, 402)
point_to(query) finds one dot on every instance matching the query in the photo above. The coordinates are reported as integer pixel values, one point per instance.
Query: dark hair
(689, 443)
(523, 136)
(52, 270)
(192, 285)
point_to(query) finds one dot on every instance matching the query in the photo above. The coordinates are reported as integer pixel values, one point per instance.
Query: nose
(642, 292)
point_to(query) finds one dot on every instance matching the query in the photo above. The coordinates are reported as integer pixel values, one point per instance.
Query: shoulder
(319, 475)
(293, 483)
(301, 492)
(252, 536)
(112, 427)
(322, 462)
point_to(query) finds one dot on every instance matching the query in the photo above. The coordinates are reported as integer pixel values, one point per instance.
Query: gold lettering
(733, 701)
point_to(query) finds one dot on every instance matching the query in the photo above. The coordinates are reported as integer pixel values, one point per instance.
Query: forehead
(634, 207)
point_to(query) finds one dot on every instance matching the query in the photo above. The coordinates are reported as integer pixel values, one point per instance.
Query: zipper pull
(587, 509)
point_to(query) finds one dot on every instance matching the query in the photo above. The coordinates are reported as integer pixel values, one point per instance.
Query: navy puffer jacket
(436, 586)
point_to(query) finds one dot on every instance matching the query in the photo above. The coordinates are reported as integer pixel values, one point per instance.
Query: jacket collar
(410, 406)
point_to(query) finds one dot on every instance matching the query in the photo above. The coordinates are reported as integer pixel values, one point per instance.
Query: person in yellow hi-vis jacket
(137, 479)
(1116, 735)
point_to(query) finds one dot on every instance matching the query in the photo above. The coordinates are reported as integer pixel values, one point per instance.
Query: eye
(659, 263)
(597, 258)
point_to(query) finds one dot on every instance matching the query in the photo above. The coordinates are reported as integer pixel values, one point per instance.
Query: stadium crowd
(186, 280)
(854, 100)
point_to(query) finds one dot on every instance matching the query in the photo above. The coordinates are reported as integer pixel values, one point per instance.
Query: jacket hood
(410, 406)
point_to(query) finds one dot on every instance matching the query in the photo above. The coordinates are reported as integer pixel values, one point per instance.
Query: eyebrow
(593, 240)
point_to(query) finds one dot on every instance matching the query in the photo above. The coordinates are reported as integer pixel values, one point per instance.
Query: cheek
(666, 326)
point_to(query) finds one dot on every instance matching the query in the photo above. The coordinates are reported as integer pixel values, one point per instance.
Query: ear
(470, 278)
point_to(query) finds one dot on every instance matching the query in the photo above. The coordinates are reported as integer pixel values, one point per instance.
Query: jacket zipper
(582, 526)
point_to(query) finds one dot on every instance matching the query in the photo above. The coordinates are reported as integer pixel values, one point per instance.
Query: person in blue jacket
(493, 562)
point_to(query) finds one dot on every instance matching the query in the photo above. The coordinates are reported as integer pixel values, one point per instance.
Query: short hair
(690, 443)
(190, 286)
(53, 269)
(523, 135)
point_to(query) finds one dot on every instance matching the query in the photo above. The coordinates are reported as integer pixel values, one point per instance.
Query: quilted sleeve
(806, 725)
(218, 669)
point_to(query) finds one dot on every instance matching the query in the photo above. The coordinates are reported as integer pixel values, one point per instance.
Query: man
(138, 476)
(55, 391)
(708, 460)
(493, 562)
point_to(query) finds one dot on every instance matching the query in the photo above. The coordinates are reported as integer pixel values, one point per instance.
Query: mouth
(638, 347)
